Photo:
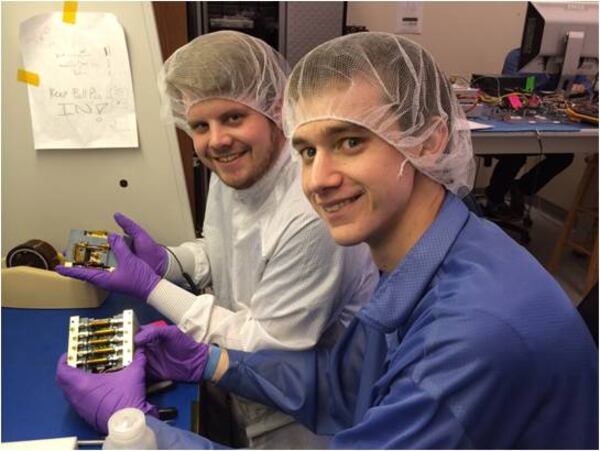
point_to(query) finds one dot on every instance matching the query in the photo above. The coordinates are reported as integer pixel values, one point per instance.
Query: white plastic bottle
(127, 430)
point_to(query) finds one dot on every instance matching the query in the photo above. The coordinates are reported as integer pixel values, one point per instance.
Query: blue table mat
(33, 406)
(526, 126)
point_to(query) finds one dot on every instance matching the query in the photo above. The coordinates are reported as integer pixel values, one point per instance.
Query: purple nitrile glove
(171, 354)
(144, 245)
(96, 396)
(132, 276)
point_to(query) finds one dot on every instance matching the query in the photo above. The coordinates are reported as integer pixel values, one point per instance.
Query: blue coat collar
(399, 292)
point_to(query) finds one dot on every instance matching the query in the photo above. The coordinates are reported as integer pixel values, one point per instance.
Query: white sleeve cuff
(191, 313)
(171, 300)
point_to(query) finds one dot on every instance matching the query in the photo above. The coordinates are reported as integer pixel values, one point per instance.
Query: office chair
(517, 228)
(588, 309)
(470, 200)
(577, 209)
(215, 418)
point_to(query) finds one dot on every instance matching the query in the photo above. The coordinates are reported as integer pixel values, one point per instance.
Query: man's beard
(264, 166)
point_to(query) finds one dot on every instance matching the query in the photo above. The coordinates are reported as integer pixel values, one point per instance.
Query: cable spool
(34, 253)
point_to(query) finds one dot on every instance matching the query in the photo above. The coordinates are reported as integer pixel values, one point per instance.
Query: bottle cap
(126, 424)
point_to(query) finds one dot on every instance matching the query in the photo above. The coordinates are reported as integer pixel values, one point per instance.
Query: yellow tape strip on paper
(28, 77)
(70, 12)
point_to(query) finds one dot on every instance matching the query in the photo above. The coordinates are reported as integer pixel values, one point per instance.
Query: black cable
(194, 288)
(539, 160)
(539, 140)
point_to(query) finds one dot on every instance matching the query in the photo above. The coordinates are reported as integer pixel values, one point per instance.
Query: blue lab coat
(468, 343)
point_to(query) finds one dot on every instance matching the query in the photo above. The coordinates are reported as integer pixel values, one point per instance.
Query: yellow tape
(69, 12)
(28, 77)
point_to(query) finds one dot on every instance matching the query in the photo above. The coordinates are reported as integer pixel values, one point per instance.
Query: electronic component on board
(90, 248)
(101, 345)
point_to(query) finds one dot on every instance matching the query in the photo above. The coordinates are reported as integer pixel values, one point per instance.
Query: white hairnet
(223, 65)
(391, 86)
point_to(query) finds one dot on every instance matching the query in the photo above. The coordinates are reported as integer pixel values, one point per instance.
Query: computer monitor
(560, 38)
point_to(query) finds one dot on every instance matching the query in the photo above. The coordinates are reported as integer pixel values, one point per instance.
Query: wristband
(214, 354)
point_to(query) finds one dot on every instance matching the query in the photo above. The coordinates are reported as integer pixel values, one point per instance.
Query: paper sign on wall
(85, 96)
(410, 17)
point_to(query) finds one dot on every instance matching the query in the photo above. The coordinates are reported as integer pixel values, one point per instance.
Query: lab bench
(33, 406)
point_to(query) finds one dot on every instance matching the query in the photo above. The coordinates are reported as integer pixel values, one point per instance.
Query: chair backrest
(588, 309)
(471, 203)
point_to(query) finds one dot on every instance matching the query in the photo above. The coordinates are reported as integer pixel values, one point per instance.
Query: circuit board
(101, 345)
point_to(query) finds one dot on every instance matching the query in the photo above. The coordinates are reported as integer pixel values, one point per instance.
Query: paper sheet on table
(477, 126)
(85, 96)
(471, 125)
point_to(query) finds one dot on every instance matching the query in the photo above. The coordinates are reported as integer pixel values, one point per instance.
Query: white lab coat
(278, 279)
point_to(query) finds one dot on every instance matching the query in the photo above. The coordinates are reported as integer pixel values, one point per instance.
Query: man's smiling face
(236, 142)
(350, 176)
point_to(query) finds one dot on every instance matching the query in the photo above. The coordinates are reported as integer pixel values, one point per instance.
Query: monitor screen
(559, 34)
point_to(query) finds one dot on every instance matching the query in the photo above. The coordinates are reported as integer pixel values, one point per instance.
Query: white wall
(464, 37)
(45, 193)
